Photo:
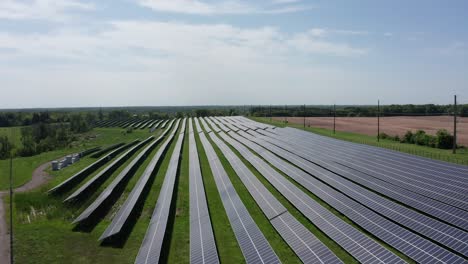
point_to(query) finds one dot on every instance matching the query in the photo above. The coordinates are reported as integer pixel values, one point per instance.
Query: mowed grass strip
(461, 157)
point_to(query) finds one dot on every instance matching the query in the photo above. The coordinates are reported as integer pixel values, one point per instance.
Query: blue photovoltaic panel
(116, 182)
(202, 243)
(253, 244)
(110, 168)
(78, 177)
(451, 237)
(305, 244)
(397, 176)
(414, 246)
(150, 250)
(124, 212)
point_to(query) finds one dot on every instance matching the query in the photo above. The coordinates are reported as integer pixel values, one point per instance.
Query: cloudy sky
(56, 53)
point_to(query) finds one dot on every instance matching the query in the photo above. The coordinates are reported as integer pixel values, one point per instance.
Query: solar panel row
(456, 170)
(303, 242)
(253, 244)
(442, 194)
(380, 168)
(124, 212)
(78, 177)
(202, 243)
(402, 239)
(98, 178)
(363, 248)
(150, 250)
(107, 149)
(121, 178)
(205, 125)
(455, 215)
(213, 127)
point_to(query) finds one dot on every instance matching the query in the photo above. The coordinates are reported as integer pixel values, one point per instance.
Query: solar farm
(284, 195)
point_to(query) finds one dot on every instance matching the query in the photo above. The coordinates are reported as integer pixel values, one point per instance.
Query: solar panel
(205, 125)
(119, 179)
(227, 124)
(430, 179)
(296, 235)
(78, 177)
(99, 177)
(124, 212)
(202, 243)
(253, 244)
(213, 126)
(306, 151)
(407, 242)
(197, 125)
(352, 240)
(220, 125)
(445, 234)
(150, 249)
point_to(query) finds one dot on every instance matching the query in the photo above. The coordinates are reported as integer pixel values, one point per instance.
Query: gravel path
(39, 177)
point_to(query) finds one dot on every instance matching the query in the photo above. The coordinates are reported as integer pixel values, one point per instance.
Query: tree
(5, 147)
(100, 114)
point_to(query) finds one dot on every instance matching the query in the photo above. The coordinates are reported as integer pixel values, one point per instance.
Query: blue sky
(56, 53)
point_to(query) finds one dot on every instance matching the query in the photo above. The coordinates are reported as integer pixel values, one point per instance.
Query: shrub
(444, 139)
(384, 136)
(419, 138)
(408, 137)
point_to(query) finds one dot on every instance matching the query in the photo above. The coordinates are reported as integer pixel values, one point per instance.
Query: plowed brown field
(389, 125)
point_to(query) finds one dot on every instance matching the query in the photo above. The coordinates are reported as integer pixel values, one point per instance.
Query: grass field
(23, 167)
(440, 154)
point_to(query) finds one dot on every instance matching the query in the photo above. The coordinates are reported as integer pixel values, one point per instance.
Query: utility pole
(11, 207)
(454, 150)
(334, 118)
(285, 113)
(304, 115)
(270, 113)
(378, 120)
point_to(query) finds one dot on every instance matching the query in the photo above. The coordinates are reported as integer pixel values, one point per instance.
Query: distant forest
(26, 117)
(359, 111)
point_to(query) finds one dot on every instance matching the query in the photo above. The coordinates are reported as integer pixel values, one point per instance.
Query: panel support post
(334, 118)
(454, 148)
(378, 120)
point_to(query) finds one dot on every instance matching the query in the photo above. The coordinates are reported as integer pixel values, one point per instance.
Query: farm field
(392, 125)
(247, 191)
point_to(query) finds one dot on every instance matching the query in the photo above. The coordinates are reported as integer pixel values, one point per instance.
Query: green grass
(23, 167)
(43, 222)
(461, 157)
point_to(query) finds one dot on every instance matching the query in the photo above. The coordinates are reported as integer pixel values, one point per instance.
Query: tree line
(358, 111)
(46, 135)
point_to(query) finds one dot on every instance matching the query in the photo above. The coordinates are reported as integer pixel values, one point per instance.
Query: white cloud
(40, 9)
(198, 7)
(167, 62)
(154, 41)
